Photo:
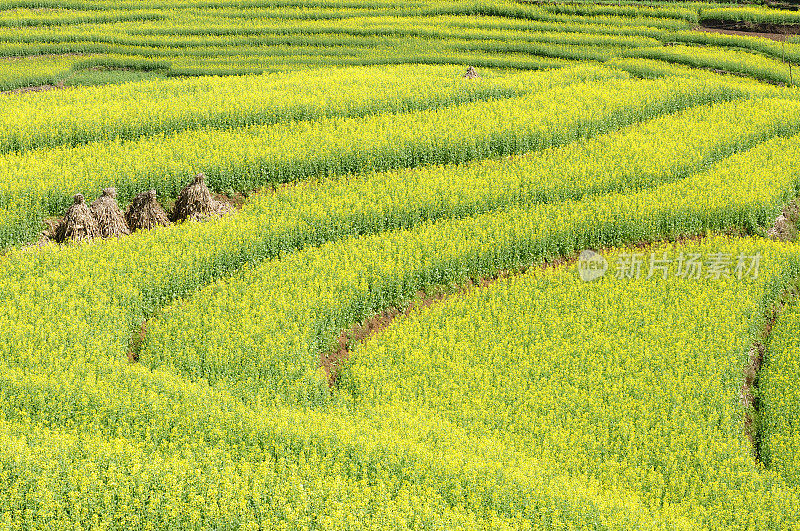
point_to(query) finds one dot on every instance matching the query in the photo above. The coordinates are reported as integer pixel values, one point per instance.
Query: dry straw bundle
(145, 212)
(105, 218)
(110, 218)
(195, 202)
(78, 223)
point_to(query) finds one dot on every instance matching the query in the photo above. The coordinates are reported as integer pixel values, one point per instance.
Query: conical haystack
(144, 212)
(78, 223)
(110, 218)
(195, 202)
(471, 73)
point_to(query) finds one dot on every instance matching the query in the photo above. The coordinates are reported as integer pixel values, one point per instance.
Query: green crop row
(649, 68)
(250, 158)
(736, 61)
(251, 333)
(24, 18)
(242, 65)
(779, 399)
(675, 10)
(373, 26)
(754, 14)
(168, 106)
(630, 382)
(333, 47)
(785, 51)
(16, 73)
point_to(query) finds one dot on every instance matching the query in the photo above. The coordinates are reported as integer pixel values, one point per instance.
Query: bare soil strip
(38, 88)
(749, 389)
(748, 394)
(136, 343)
(776, 32)
(784, 229)
(360, 332)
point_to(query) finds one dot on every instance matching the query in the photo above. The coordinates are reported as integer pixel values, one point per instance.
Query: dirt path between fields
(748, 392)
(742, 33)
(359, 332)
(362, 331)
(37, 88)
(783, 229)
(751, 28)
(137, 342)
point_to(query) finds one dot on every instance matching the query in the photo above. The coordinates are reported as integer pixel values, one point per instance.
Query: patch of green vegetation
(105, 76)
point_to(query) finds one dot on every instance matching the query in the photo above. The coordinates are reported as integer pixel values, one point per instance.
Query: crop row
(250, 333)
(18, 73)
(243, 64)
(779, 399)
(755, 14)
(650, 68)
(199, 25)
(784, 50)
(250, 158)
(632, 382)
(168, 106)
(30, 18)
(737, 61)
(66, 392)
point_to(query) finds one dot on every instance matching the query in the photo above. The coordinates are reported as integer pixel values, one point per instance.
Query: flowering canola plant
(778, 393)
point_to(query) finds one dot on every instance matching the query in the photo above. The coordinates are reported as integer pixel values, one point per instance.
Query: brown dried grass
(195, 202)
(78, 223)
(145, 212)
(110, 218)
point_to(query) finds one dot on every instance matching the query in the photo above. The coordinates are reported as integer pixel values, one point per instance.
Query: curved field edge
(172, 263)
(250, 158)
(631, 381)
(251, 333)
(778, 393)
(321, 463)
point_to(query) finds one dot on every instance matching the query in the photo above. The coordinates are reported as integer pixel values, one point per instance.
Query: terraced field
(393, 327)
